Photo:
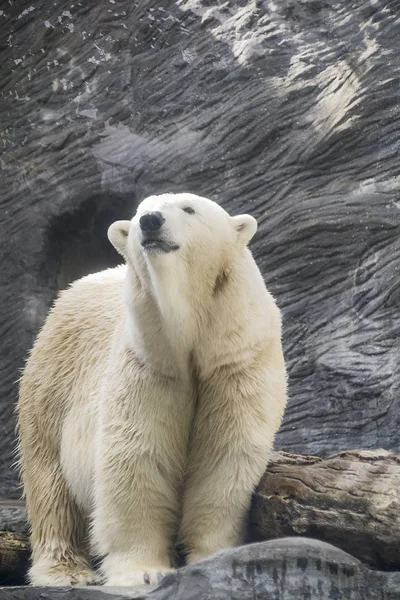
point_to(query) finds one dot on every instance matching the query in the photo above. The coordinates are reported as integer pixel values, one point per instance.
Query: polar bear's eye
(189, 210)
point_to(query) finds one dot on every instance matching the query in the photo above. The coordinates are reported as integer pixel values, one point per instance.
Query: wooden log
(14, 557)
(350, 500)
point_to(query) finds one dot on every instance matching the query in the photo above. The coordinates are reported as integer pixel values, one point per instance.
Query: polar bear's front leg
(135, 515)
(139, 468)
(238, 415)
(217, 502)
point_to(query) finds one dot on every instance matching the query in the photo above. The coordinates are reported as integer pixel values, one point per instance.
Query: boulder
(285, 569)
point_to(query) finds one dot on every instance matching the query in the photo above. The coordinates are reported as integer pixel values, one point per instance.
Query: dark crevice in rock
(77, 242)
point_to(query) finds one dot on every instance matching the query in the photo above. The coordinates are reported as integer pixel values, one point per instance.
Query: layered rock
(287, 110)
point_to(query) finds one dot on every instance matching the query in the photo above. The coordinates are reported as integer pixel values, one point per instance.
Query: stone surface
(288, 110)
(286, 569)
(13, 516)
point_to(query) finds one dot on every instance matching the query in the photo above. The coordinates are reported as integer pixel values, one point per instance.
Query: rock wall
(288, 110)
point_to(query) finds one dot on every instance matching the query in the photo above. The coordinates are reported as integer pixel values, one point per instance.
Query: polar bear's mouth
(156, 245)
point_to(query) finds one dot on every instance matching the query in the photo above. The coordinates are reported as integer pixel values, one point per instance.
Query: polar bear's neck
(168, 305)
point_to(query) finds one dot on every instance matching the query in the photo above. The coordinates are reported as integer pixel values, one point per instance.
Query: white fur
(150, 401)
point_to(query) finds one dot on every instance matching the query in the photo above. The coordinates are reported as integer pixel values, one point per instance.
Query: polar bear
(149, 403)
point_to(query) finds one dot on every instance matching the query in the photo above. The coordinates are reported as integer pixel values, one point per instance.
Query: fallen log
(14, 558)
(350, 500)
(14, 542)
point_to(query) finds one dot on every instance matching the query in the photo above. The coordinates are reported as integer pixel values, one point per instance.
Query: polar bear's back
(88, 311)
(94, 299)
(71, 352)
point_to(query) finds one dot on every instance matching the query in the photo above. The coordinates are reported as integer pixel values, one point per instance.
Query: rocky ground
(285, 569)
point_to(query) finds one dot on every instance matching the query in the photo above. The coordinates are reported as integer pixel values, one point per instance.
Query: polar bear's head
(184, 226)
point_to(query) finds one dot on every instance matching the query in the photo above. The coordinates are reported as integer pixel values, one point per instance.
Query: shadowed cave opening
(78, 243)
(75, 245)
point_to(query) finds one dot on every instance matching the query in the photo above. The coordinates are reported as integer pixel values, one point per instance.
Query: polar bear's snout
(151, 221)
(153, 238)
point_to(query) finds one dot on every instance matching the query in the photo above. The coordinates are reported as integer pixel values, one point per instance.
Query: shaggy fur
(150, 401)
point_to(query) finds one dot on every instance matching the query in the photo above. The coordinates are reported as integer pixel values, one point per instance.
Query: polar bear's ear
(118, 235)
(246, 226)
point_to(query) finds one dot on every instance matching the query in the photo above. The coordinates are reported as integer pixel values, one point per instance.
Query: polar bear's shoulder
(95, 298)
(109, 281)
(101, 279)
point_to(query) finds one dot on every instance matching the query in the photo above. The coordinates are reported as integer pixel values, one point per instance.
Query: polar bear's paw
(60, 575)
(143, 576)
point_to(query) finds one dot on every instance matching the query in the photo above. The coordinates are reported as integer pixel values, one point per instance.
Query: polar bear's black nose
(151, 221)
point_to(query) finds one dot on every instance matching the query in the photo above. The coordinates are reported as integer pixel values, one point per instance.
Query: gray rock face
(288, 110)
(13, 516)
(286, 569)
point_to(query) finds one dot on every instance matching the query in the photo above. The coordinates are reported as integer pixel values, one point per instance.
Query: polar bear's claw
(56, 575)
(145, 576)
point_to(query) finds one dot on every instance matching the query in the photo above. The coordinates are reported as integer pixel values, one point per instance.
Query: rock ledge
(287, 569)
